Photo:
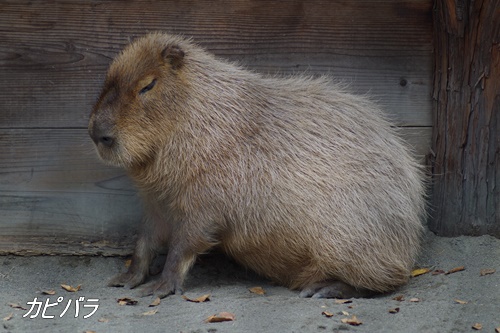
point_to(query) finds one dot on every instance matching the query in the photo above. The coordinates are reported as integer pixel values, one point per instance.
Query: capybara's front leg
(139, 268)
(180, 258)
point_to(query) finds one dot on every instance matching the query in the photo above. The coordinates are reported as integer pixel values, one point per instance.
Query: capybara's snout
(101, 132)
(102, 128)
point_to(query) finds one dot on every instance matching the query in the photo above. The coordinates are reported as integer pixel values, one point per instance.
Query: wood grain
(466, 139)
(53, 187)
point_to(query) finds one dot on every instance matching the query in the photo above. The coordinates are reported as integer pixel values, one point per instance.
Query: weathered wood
(55, 194)
(466, 138)
(54, 53)
(57, 198)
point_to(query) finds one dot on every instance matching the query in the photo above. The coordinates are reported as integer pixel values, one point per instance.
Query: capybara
(293, 177)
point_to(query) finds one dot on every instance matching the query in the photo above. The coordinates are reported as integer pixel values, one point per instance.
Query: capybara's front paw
(160, 288)
(128, 279)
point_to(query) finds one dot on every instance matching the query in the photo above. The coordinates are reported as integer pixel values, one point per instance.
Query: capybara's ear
(174, 55)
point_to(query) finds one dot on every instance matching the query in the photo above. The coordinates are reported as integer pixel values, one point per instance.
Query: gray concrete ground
(431, 303)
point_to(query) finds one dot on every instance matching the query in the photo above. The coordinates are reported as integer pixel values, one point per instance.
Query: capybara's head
(135, 110)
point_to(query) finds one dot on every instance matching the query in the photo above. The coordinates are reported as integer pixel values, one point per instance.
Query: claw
(128, 279)
(160, 288)
(334, 289)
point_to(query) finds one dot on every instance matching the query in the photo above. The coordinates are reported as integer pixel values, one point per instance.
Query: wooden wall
(57, 197)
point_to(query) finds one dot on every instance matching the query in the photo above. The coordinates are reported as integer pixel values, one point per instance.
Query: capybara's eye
(148, 87)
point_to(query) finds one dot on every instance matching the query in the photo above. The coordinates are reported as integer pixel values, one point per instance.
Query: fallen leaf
(487, 272)
(257, 290)
(460, 301)
(477, 326)
(17, 306)
(399, 298)
(454, 270)
(201, 299)
(352, 321)
(342, 301)
(89, 331)
(126, 301)
(350, 307)
(70, 288)
(419, 271)
(327, 314)
(149, 313)
(128, 262)
(103, 320)
(395, 310)
(415, 300)
(438, 271)
(155, 302)
(9, 317)
(497, 330)
(223, 316)
(345, 313)
(49, 292)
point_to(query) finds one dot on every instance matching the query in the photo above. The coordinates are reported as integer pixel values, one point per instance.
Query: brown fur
(293, 177)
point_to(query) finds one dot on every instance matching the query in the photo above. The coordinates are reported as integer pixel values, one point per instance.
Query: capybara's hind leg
(334, 289)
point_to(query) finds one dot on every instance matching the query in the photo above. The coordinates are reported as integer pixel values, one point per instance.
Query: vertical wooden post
(465, 197)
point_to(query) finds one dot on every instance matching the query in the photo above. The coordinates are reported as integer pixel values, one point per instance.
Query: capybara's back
(293, 177)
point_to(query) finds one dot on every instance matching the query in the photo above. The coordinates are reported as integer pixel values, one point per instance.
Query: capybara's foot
(160, 288)
(334, 289)
(128, 279)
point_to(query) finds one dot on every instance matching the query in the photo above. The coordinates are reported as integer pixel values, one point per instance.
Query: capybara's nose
(106, 140)
(101, 133)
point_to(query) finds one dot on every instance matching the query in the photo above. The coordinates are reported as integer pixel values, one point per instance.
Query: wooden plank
(54, 53)
(419, 139)
(56, 197)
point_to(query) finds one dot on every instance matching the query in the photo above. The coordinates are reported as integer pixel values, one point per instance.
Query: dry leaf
(155, 302)
(149, 313)
(420, 271)
(414, 300)
(89, 331)
(460, 301)
(342, 301)
(345, 313)
(16, 306)
(497, 330)
(257, 290)
(9, 317)
(487, 272)
(395, 310)
(103, 320)
(327, 314)
(477, 326)
(126, 301)
(438, 271)
(223, 316)
(454, 270)
(49, 292)
(70, 288)
(351, 321)
(128, 262)
(201, 299)
(399, 298)
(350, 307)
